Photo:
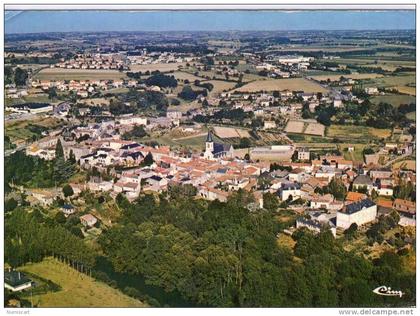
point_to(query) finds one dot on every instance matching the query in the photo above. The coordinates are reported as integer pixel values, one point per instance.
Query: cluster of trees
(29, 237)
(222, 254)
(336, 187)
(238, 115)
(189, 94)
(206, 85)
(140, 101)
(137, 132)
(33, 171)
(382, 115)
(161, 80)
(18, 76)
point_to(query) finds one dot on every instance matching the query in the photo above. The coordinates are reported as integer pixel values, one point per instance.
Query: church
(216, 150)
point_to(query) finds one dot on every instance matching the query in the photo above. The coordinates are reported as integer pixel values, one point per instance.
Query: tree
(10, 205)
(270, 201)
(244, 142)
(350, 232)
(162, 81)
(59, 152)
(67, 190)
(52, 93)
(21, 76)
(148, 160)
(337, 188)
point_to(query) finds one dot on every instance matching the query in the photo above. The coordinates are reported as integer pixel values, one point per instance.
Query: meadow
(77, 289)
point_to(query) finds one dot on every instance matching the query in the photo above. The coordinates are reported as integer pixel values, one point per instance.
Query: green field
(391, 81)
(394, 99)
(411, 116)
(358, 134)
(194, 143)
(20, 130)
(77, 289)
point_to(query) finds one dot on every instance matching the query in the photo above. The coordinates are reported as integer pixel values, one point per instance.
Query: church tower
(208, 154)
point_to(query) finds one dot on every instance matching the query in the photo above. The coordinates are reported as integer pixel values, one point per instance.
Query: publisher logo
(387, 291)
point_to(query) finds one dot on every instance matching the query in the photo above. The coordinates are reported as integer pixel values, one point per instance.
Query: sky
(96, 21)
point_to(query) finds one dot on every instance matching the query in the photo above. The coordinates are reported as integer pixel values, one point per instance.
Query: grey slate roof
(358, 206)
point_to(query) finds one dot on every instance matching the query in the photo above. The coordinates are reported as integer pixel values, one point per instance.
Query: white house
(361, 212)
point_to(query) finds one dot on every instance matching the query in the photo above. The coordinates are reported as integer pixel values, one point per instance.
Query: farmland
(229, 132)
(394, 99)
(295, 84)
(78, 74)
(77, 289)
(362, 133)
(351, 76)
(162, 67)
(302, 127)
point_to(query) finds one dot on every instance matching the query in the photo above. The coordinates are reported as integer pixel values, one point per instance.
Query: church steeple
(209, 145)
(209, 137)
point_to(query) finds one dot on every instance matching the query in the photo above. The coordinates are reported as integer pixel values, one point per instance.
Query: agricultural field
(301, 127)
(360, 134)
(411, 116)
(294, 127)
(394, 99)
(78, 74)
(230, 132)
(315, 129)
(356, 155)
(405, 164)
(219, 86)
(392, 81)
(182, 75)
(162, 67)
(77, 289)
(295, 84)
(406, 90)
(20, 131)
(335, 77)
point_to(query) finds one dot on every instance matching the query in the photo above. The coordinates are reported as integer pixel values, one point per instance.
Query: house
(316, 223)
(303, 154)
(322, 201)
(355, 197)
(362, 181)
(269, 124)
(216, 150)
(361, 212)
(289, 190)
(88, 220)
(16, 281)
(213, 194)
(404, 206)
(68, 209)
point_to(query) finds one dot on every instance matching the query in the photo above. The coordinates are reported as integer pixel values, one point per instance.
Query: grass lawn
(77, 290)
